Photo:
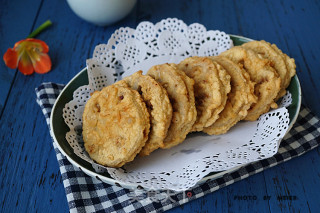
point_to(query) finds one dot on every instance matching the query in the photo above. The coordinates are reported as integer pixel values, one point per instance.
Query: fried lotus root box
(142, 113)
(158, 105)
(116, 125)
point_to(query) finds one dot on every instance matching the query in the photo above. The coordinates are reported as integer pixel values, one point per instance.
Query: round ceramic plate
(59, 128)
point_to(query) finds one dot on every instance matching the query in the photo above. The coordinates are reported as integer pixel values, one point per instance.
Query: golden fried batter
(266, 79)
(290, 63)
(278, 61)
(184, 111)
(158, 105)
(209, 89)
(239, 99)
(225, 78)
(115, 125)
(190, 88)
(142, 113)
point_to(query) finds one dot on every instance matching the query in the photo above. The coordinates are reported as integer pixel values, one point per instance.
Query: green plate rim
(66, 95)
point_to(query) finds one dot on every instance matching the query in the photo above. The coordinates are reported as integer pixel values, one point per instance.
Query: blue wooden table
(30, 180)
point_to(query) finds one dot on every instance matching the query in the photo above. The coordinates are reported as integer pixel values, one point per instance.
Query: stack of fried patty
(142, 113)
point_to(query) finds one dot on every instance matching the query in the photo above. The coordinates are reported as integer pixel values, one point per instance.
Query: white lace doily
(170, 41)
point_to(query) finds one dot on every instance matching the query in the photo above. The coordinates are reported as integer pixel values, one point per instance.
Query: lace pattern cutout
(170, 41)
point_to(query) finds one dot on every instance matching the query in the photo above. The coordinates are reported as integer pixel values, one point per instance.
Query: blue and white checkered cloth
(87, 194)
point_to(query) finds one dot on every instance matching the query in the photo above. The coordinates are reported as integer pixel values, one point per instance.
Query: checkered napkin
(86, 194)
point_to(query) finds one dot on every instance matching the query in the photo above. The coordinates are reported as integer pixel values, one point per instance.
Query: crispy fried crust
(239, 99)
(184, 112)
(115, 125)
(279, 62)
(266, 79)
(290, 63)
(142, 113)
(225, 78)
(158, 105)
(192, 104)
(210, 92)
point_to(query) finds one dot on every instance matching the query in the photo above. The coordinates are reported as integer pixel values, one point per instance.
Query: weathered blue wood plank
(294, 185)
(29, 171)
(74, 40)
(296, 25)
(16, 21)
(296, 39)
(29, 174)
(32, 179)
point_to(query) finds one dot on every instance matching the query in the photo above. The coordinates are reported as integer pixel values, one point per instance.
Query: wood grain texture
(30, 175)
(30, 180)
(12, 29)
